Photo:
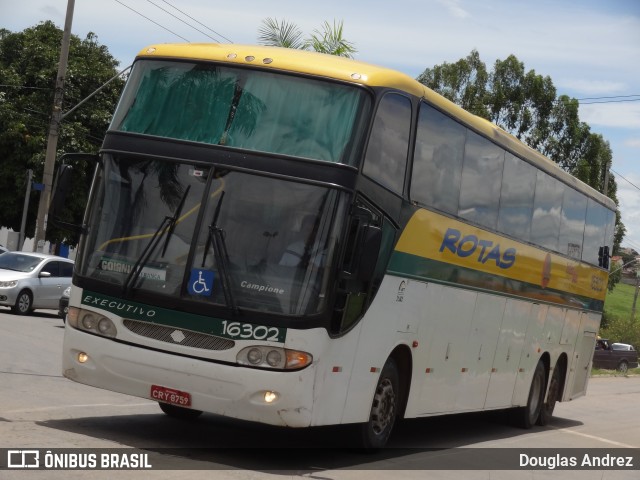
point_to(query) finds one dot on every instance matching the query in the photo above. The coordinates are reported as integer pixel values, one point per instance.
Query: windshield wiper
(167, 226)
(217, 241)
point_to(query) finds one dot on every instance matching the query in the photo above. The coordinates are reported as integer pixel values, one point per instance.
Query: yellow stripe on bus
(437, 237)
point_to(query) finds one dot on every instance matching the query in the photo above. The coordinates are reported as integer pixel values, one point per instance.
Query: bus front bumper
(229, 390)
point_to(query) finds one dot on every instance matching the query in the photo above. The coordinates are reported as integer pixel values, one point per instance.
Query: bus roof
(361, 73)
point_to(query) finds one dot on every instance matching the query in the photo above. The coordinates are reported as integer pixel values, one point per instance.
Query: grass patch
(619, 302)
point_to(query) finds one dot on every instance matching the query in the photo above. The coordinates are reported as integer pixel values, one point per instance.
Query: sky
(589, 48)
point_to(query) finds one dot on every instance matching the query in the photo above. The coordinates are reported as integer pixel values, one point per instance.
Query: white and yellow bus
(298, 239)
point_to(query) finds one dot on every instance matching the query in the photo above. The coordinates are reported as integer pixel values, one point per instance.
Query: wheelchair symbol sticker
(200, 282)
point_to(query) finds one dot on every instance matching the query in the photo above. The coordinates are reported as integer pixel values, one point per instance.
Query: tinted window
(242, 108)
(481, 181)
(574, 210)
(386, 158)
(547, 207)
(437, 162)
(516, 197)
(66, 269)
(52, 268)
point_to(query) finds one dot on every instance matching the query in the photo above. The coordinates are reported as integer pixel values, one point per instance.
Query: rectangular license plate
(170, 395)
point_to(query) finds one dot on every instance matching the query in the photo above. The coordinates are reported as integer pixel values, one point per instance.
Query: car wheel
(384, 409)
(179, 412)
(526, 417)
(623, 366)
(24, 302)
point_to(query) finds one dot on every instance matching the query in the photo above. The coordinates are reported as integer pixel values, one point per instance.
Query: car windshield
(214, 236)
(241, 108)
(19, 262)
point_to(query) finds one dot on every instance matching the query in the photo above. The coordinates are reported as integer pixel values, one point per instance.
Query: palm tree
(283, 34)
(289, 35)
(330, 41)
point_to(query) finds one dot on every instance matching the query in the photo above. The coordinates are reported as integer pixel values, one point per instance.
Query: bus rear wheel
(179, 412)
(384, 409)
(526, 417)
(554, 393)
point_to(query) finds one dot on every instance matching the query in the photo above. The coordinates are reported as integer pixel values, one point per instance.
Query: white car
(33, 280)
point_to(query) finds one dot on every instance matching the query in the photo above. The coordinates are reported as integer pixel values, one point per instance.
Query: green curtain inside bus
(238, 108)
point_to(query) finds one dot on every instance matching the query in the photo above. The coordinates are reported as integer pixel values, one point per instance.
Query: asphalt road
(39, 409)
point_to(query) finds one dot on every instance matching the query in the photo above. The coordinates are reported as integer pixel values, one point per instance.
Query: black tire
(179, 412)
(24, 303)
(553, 395)
(623, 366)
(526, 417)
(384, 409)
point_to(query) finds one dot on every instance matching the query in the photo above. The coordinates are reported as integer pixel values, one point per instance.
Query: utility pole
(635, 296)
(25, 209)
(54, 127)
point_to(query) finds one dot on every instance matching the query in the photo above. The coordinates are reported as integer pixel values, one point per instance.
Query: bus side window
(437, 161)
(516, 197)
(545, 225)
(481, 181)
(386, 159)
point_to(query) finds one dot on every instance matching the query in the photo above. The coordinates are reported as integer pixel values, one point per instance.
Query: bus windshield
(241, 108)
(204, 235)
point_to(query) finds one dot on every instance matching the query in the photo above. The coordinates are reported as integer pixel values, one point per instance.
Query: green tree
(285, 34)
(28, 69)
(463, 82)
(526, 105)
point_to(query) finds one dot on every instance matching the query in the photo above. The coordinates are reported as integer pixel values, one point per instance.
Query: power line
(610, 101)
(200, 23)
(152, 21)
(186, 23)
(25, 87)
(629, 182)
(598, 100)
(614, 96)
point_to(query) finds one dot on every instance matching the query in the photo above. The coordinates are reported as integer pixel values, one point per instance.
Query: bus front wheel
(179, 412)
(384, 408)
(526, 417)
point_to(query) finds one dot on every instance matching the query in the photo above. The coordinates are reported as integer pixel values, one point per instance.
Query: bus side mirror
(603, 257)
(61, 187)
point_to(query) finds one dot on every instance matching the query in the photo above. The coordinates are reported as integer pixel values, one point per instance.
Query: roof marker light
(231, 56)
(267, 61)
(249, 58)
(151, 50)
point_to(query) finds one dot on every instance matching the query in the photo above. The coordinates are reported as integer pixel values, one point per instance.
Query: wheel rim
(24, 302)
(623, 367)
(384, 407)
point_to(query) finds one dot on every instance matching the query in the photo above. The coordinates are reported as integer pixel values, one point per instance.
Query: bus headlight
(276, 358)
(91, 322)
